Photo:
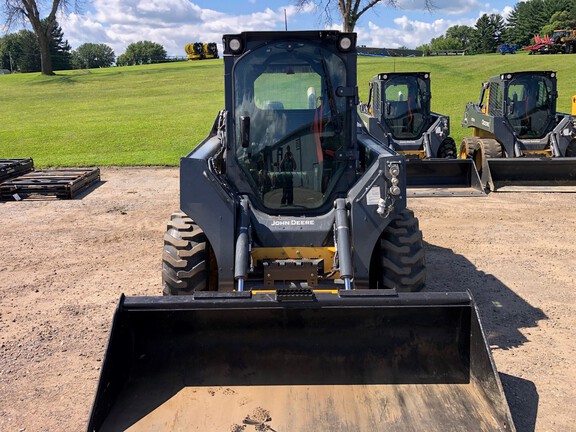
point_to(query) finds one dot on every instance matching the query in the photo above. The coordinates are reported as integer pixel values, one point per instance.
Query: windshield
(530, 101)
(286, 92)
(406, 106)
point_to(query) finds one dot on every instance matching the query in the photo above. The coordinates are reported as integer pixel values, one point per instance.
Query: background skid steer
(291, 275)
(520, 142)
(398, 113)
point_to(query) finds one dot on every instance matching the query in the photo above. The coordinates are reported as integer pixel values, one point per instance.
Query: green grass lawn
(139, 115)
(154, 114)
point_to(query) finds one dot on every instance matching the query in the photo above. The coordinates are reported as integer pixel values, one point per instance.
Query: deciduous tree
(90, 55)
(142, 52)
(29, 11)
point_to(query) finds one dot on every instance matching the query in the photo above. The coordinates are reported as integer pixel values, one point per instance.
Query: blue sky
(174, 23)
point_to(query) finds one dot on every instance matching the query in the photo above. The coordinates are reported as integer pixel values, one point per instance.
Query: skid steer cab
(288, 190)
(519, 141)
(398, 113)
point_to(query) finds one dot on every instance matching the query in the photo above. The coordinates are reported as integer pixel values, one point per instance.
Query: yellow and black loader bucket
(366, 360)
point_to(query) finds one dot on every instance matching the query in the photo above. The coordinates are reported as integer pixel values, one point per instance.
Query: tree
(488, 34)
(59, 49)
(560, 20)
(142, 52)
(28, 10)
(91, 55)
(445, 43)
(531, 17)
(19, 52)
(463, 34)
(349, 10)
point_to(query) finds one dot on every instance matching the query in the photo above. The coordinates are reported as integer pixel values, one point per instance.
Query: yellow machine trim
(546, 152)
(481, 133)
(574, 105)
(327, 291)
(420, 153)
(487, 99)
(325, 253)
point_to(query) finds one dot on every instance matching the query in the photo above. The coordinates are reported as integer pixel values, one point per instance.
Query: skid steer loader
(398, 113)
(520, 142)
(292, 275)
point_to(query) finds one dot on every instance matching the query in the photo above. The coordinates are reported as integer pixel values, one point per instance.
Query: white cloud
(405, 32)
(175, 23)
(171, 23)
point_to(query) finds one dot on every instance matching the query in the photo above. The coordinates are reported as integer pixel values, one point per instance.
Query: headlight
(235, 45)
(345, 43)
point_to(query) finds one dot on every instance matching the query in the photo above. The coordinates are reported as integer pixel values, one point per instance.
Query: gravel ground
(65, 263)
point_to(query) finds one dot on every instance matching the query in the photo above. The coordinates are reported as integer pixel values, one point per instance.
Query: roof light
(235, 45)
(346, 42)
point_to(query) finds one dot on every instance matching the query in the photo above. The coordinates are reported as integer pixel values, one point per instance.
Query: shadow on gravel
(502, 311)
(523, 399)
(502, 314)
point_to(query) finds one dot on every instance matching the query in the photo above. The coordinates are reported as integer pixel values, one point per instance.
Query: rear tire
(468, 147)
(401, 259)
(491, 149)
(185, 261)
(447, 149)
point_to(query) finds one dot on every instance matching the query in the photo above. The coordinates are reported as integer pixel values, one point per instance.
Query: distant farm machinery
(201, 51)
(560, 42)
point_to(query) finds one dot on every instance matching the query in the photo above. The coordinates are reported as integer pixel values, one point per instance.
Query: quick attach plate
(291, 270)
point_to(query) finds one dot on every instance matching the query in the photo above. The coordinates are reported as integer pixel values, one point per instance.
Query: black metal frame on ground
(63, 183)
(10, 168)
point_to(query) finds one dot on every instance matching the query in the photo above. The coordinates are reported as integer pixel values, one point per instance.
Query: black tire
(447, 149)
(571, 149)
(401, 255)
(491, 149)
(185, 261)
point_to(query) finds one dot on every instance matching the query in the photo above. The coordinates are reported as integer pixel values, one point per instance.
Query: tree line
(526, 20)
(25, 51)
(20, 52)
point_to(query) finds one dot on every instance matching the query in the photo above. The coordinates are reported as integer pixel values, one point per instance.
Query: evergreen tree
(488, 33)
(59, 49)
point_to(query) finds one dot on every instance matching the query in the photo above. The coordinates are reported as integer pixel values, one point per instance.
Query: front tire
(447, 149)
(401, 255)
(185, 261)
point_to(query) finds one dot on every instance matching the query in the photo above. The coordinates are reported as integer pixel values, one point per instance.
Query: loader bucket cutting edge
(442, 177)
(338, 363)
(532, 174)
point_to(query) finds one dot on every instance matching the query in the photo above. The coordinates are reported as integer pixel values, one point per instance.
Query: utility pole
(285, 21)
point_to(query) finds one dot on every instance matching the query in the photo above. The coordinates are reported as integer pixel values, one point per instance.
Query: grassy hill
(154, 114)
